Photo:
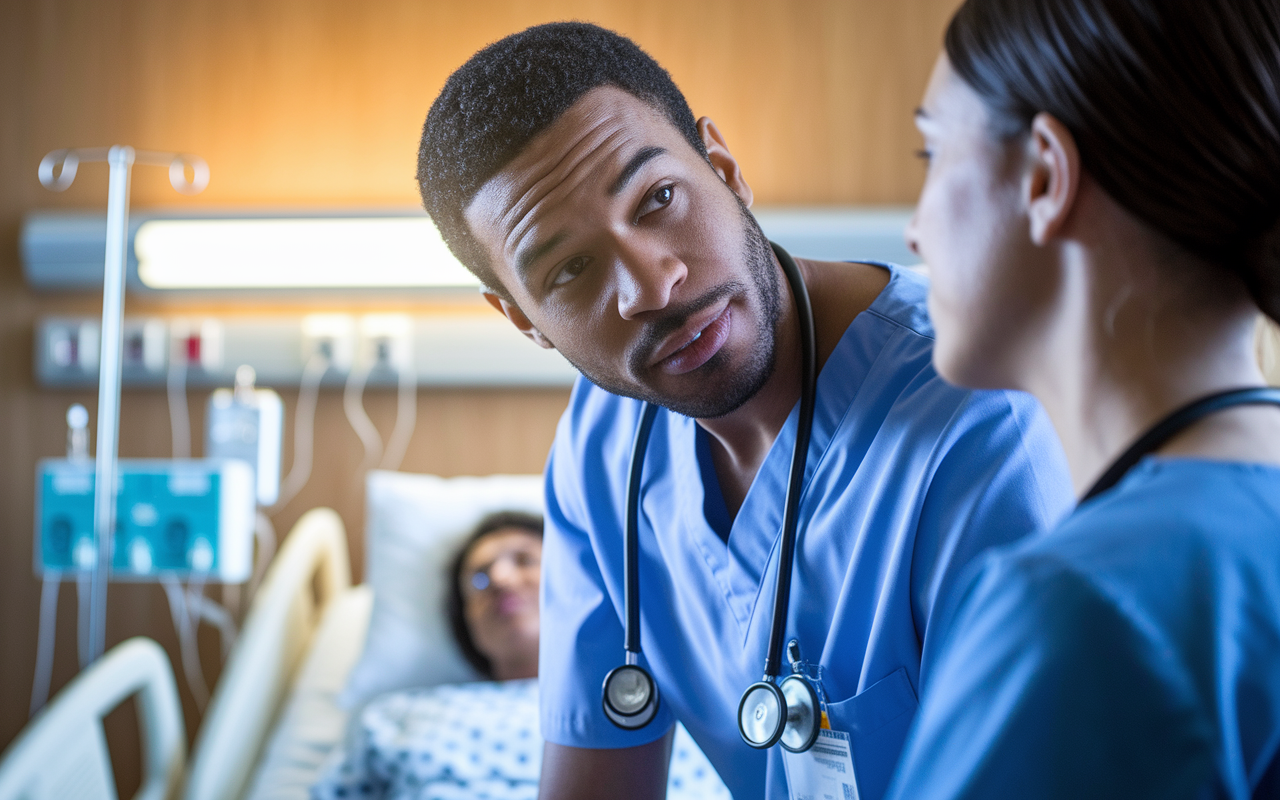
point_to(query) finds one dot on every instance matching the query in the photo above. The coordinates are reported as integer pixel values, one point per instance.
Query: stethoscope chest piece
(762, 714)
(803, 715)
(630, 697)
(770, 714)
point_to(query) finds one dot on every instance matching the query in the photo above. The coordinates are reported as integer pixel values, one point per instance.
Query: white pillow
(414, 525)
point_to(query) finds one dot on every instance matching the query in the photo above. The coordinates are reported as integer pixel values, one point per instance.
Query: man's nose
(646, 282)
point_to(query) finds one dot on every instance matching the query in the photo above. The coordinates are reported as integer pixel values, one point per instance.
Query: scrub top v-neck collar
(740, 565)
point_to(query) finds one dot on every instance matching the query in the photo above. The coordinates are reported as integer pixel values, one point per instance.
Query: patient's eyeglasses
(482, 579)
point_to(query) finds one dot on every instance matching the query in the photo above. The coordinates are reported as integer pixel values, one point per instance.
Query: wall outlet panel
(180, 518)
(461, 350)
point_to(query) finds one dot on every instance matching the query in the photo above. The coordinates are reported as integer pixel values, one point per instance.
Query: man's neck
(741, 440)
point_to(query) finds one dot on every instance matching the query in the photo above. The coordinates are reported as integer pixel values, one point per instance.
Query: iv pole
(120, 160)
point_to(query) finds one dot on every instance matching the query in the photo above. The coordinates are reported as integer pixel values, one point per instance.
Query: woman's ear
(723, 162)
(1054, 177)
(513, 313)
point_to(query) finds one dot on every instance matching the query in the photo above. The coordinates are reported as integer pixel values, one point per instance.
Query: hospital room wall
(318, 103)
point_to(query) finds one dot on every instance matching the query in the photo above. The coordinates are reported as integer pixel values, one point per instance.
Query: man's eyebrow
(633, 166)
(527, 258)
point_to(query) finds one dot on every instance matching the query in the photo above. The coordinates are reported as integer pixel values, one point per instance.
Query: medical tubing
(187, 644)
(45, 643)
(84, 602)
(176, 392)
(1175, 423)
(353, 407)
(304, 419)
(631, 543)
(804, 426)
(205, 608)
(265, 535)
(406, 419)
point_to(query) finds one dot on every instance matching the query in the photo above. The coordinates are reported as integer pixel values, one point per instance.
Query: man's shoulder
(904, 300)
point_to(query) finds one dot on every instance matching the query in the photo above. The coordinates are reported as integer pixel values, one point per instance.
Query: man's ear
(1054, 178)
(725, 165)
(512, 312)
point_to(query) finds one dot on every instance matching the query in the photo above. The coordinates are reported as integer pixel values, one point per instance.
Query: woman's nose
(911, 234)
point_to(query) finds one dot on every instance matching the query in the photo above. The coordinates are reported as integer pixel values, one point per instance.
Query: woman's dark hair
(530, 523)
(1174, 106)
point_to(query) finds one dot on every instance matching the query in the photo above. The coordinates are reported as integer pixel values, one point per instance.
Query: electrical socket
(331, 336)
(197, 344)
(72, 345)
(386, 341)
(144, 345)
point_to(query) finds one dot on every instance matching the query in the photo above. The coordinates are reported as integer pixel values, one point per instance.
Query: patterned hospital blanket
(472, 741)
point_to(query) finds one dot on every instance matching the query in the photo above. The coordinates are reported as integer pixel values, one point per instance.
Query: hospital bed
(314, 648)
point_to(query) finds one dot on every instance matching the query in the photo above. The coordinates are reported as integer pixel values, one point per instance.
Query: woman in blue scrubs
(1101, 217)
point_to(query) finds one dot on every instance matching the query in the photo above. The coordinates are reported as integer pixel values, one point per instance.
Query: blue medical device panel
(172, 518)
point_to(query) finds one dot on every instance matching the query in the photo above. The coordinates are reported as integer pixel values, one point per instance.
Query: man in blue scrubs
(565, 169)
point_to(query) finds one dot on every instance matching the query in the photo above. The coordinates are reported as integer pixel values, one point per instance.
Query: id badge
(824, 771)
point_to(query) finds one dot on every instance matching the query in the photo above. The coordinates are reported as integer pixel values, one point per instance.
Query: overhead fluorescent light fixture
(386, 252)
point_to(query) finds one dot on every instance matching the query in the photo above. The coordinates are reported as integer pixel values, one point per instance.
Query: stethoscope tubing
(631, 550)
(1175, 423)
(799, 458)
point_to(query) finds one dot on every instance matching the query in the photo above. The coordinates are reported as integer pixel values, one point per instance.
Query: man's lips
(693, 348)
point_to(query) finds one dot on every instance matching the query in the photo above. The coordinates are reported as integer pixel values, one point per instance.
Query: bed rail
(309, 571)
(63, 751)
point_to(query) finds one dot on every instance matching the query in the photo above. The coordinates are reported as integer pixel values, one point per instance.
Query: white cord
(186, 642)
(304, 420)
(231, 599)
(83, 603)
(45, 642)
(203, 607)
(406, 419)
(176, 384)
(265, 534)
(353, 407)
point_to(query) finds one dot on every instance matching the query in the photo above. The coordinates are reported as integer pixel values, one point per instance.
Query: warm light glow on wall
(296, 253)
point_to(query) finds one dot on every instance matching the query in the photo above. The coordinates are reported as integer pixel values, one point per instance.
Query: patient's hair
(532, 523)
(1174, 105)
(508, 93)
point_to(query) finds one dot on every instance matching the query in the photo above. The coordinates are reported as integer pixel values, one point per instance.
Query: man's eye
(571, 269)
(664, 195)
(924, 155)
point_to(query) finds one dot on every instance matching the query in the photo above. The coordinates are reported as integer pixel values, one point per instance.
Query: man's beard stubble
(731, 388)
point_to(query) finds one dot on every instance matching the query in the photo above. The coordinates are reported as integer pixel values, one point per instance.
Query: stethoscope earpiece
(630, 696)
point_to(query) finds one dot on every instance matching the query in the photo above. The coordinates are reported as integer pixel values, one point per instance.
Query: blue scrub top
(907, 480)
(1132, 653)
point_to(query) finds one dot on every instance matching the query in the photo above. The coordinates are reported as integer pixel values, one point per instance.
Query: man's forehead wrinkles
(572, 169)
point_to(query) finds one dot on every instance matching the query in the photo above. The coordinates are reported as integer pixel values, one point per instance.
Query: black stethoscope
(1176, 423)
(769, 712)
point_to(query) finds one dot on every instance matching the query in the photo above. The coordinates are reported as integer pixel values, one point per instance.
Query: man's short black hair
(508, 93)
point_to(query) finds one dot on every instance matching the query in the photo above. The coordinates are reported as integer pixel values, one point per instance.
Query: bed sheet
(312, 724)
(471, 741)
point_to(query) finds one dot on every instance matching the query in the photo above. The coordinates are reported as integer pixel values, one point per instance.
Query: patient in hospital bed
(479, 740)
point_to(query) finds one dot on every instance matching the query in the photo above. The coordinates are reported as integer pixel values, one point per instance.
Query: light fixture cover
(296, 253)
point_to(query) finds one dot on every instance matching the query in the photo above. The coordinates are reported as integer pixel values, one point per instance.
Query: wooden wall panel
(318, 103)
